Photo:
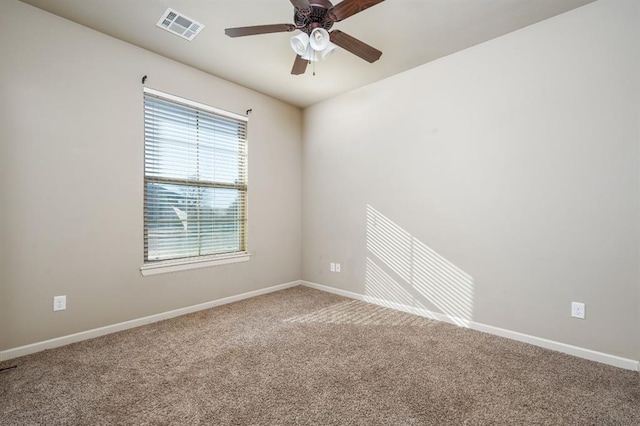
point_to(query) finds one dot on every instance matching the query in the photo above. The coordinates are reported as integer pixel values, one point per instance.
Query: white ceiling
(408, 32)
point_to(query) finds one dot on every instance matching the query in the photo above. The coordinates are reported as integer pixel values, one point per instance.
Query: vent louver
(179, 24)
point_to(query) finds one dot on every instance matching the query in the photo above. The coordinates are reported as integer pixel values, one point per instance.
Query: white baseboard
(616, 361)
(589, 354)
(97, 332)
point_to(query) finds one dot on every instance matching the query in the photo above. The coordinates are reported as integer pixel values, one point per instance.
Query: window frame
(184, 263)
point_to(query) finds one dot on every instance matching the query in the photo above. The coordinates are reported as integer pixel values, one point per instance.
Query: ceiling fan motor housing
(317, 18)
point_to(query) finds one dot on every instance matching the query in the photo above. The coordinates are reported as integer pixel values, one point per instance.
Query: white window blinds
(195, 180)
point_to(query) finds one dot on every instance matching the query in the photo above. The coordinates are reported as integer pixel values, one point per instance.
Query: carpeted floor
(301, 356)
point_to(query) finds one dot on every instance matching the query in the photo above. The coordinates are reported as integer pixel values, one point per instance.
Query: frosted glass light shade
(300, 43)
(319, 39)
(328, 51)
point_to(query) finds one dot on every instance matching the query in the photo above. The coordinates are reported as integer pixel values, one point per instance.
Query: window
(195, 183)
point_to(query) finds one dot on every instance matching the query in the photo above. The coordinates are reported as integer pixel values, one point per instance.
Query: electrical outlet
(332, 267)
(577, 310)
(59, 303)
(337, 267)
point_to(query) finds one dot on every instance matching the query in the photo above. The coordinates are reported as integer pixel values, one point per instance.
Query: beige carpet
(302, 356)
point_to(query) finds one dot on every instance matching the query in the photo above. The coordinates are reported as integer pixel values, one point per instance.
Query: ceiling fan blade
(299, 65)
(302, 5)
(348, 8)
(259, 29)
(355, 46)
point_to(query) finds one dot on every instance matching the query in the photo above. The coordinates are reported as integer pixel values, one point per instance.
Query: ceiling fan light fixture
(319, 39)
(300, 43)
(313, 48)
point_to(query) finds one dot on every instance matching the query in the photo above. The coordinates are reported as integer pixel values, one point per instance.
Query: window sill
(166, 267)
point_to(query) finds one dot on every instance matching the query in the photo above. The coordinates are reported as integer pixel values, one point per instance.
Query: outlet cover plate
(577, 310)
(59, 303)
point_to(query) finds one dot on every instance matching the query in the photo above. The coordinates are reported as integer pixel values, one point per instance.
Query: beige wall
(71, 192)
(495, 185)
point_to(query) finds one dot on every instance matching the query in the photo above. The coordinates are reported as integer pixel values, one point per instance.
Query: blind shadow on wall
(402, 271)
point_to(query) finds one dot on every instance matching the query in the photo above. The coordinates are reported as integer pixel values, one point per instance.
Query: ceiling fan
(315, 18)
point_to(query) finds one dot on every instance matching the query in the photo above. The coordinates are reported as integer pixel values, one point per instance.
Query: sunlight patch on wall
(390, 243)
(418, 276)
(383, 287)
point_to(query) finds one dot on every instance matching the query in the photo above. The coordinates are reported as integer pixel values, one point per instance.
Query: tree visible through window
(195, 180)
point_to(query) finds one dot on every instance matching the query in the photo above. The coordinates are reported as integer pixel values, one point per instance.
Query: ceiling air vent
(179, 24)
